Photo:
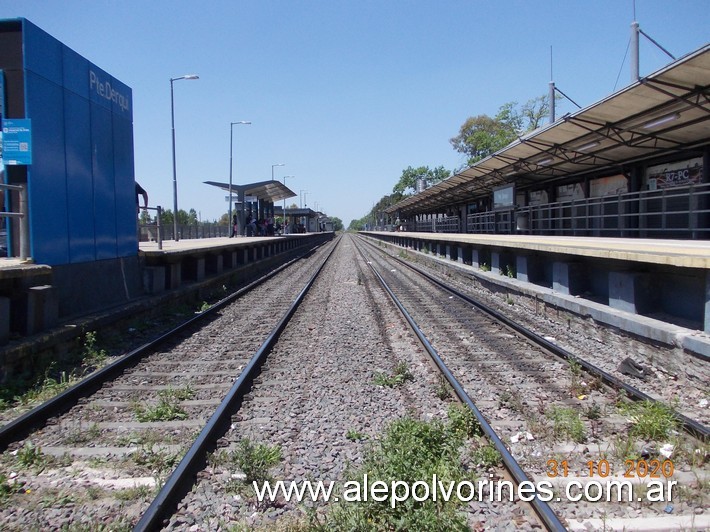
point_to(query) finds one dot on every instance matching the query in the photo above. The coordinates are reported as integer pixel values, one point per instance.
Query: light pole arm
(175, 201)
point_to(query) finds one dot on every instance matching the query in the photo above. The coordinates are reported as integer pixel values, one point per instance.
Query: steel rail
(38, 416)
(693, 427)
(182, 478)
(542, 509)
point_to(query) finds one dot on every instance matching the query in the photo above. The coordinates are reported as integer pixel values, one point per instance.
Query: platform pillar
(475, 258)
(527, 268)
(567, 278)
(230, 259)
(42, 309)
(4, 320)
(174, 271)
(214, 264)
(154, 279)
(495, 261)
(707, 302)
(631, 292)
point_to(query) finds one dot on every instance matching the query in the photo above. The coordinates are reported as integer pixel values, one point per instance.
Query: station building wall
(81, 182)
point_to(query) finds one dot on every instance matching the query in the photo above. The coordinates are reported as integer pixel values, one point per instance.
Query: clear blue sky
(346, 93)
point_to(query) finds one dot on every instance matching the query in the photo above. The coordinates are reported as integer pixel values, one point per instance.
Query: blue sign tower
(76, 162)
(80, 177)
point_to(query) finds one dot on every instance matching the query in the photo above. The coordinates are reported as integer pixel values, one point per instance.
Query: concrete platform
(665, 280)
(679, 253)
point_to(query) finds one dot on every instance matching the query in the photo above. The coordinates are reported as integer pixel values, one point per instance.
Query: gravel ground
(520, 388)
(676, 376)
(316, 386)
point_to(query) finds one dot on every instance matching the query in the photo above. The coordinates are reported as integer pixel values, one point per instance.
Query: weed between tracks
(168, 407)
(410, 450)
(400, 375)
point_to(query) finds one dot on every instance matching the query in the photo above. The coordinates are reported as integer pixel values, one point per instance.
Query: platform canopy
(665, 112)
(272, 191)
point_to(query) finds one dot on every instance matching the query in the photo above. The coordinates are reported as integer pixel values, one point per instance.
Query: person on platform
(234, 226)
(140, 191)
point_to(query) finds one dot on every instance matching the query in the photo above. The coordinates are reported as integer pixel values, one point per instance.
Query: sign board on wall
(573, 191)
(504, 197)
(678, 174)
(17, 141)
(608, 186)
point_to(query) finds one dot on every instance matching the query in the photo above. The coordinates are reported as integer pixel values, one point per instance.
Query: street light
(172, 115)
(302, 195)
(272, 169)
(231, 136)
(285, 200)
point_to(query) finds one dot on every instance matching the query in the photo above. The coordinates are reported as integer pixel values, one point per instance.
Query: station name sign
(105, 90)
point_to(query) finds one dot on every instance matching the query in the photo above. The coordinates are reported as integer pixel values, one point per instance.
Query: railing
(157, 225)
(682, 212)
(187, 231)
(22, 215)
(444, 224)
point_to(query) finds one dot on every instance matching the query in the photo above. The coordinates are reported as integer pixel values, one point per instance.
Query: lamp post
(284, 224)
(301, 195)
(272, 169)
(172, 116)
(231, 137)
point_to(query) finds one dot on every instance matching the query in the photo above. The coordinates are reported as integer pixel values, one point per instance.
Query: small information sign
(17, 141)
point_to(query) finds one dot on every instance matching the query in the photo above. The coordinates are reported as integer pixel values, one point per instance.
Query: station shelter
(634, 164)
(302, 220)
(255, 199)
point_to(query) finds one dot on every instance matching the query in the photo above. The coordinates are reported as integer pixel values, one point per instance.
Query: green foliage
(93, 356)
(481, 136)
(354, 435)
(650, 420)
(443, 389)
(462, 421)
(156, 461)
(408, 180)
(400, 375)
(47, 387)
(567, 424)
(255, 460)
(486, 456)
(410, 451)
(166, 409)
(337, 223)
(6, 489)
(30, 455)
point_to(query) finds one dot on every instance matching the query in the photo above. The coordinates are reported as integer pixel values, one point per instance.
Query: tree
(409, 177)
(337, 223)
(144, 217)
(481, 136)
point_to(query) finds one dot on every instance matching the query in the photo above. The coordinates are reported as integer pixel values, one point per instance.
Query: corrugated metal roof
(666, 111)
(265, 190)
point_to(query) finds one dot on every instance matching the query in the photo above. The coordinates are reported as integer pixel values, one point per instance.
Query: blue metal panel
(47, 175)
(42, 53)
(100, 90)
(126, 230)
(76, 73)
(104, 182)
(80, 188)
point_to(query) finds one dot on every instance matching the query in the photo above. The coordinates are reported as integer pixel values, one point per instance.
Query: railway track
(105, 464)
(94, 455)
(561, 424)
